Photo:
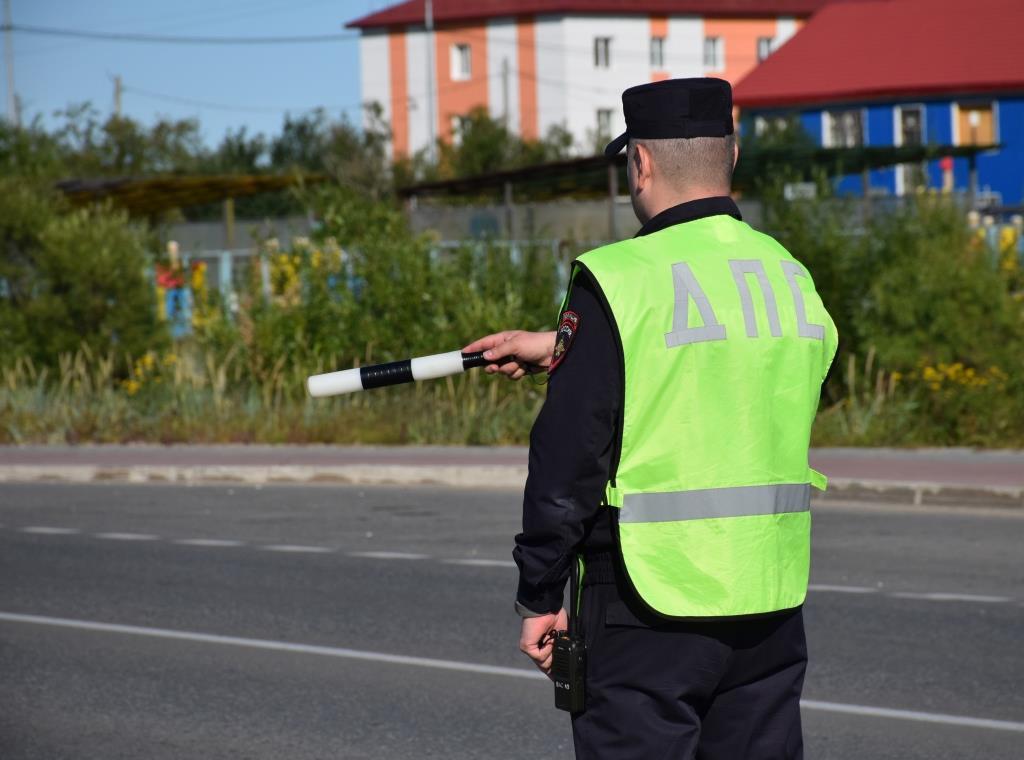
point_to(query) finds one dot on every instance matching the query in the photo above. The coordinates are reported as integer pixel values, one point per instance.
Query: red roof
(878, 49)
(411, 12)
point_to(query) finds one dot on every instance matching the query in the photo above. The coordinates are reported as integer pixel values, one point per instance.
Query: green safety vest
(724, 343)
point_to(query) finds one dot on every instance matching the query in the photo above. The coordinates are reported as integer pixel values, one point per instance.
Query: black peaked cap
(672, 108)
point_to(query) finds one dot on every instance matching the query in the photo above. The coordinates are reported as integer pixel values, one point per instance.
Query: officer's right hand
(532, 351)
(535, 638)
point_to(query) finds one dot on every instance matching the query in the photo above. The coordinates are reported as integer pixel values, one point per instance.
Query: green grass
(200, 398)
(197, 402)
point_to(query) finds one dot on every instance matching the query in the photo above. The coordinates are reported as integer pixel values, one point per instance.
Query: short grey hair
(694, 161)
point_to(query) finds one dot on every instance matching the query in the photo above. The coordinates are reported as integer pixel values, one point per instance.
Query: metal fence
(226, 270)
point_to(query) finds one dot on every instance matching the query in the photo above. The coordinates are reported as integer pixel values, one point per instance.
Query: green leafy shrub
(71, 278)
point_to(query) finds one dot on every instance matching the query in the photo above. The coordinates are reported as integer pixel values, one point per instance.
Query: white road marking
(935, 596)
(278, 646)
(388, 555)
(480, 562)
(208, 542)
(465, 667)
(924, 717)
(939, 596)
(46, 530)
(930, 596)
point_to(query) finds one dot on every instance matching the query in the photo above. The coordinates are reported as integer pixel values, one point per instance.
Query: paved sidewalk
(929, 476)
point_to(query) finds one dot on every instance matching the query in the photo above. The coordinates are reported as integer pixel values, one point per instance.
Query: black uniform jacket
(572, 440)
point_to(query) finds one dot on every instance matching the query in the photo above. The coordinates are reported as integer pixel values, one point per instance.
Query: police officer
(671, 453)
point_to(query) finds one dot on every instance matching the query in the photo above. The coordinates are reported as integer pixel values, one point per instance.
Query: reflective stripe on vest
(741, 501)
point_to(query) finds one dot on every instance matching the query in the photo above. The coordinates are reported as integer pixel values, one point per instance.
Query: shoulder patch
(568, 326)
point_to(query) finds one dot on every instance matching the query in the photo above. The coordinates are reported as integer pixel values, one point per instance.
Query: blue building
(903, 73)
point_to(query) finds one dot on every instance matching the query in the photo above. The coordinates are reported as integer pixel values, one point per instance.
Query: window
(604, 123)
(975, 124)
(657, 53)
(459, 125)
(772, 126)
(910, 125)
(714, 53)
(910, 131)
(602, 52)
(843, 129)
(764, 47)
(461, 62)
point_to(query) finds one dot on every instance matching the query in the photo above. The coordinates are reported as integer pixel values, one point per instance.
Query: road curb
(922, 494)
(474, 476)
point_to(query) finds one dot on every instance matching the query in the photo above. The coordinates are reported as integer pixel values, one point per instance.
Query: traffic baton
(396, 373)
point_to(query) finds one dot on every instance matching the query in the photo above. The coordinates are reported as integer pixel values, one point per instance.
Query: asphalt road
(327, 622)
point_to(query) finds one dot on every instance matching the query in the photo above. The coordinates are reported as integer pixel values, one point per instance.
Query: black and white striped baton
(395, 373)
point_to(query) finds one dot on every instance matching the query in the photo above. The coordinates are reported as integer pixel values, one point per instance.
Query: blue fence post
(265, 275)
(224, 272)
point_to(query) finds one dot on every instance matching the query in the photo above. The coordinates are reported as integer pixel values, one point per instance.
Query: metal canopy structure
(595, 175)
(147, 196)
(588, 175)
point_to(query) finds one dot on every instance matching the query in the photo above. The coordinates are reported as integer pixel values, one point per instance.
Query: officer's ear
(641, 164)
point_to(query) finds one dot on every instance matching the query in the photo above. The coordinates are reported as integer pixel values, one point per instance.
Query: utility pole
(13, 112)
(428, 23)
(117, 96)
(504, 94)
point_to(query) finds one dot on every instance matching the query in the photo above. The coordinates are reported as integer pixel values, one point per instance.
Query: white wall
(374, 70)
(416, 78)
(785, 27)
(684, 52)
(592, 88)
(549, 42)
(501, 47)
(570, 90)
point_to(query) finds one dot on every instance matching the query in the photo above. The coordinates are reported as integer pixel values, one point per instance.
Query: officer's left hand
(535, 639)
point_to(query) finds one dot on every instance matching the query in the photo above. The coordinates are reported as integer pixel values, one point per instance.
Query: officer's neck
(661, 201)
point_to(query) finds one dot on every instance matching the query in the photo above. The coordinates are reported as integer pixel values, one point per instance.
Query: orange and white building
(538, 64)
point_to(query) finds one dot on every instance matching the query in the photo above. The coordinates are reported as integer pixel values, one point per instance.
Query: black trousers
(721, 690)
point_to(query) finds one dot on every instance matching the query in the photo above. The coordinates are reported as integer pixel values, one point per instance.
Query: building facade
(537, 65)
(905, 72)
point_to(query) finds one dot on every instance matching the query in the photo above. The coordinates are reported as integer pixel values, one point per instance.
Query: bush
(367, 289)
(927, 311)
(71, 278)
(931, 334)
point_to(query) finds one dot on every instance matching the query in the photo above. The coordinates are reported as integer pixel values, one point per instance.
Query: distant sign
(800, 191)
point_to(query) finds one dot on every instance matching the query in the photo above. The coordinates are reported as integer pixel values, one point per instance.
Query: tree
(240, 154)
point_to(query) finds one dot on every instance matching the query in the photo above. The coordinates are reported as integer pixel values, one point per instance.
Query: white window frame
(461, 59)
(457, 120)
(769, 43)
(658, 53)
(826, 127)
(763, 123)
(954, 114)
(897, 130)
(897, 138)
(604, 130)
(716, 61)
(602, 52)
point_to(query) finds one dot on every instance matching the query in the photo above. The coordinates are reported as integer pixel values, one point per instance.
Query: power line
(229, 107)
(47, 31)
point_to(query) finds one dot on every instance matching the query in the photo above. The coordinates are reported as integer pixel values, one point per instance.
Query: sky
(223, 86)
